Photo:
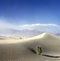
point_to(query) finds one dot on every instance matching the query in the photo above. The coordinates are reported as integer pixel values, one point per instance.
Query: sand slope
(20, 50)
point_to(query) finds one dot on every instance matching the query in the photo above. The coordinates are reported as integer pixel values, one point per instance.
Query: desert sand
(15, 49)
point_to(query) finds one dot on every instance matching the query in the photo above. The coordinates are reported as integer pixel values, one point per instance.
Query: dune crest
(39, 37)
(43, 35)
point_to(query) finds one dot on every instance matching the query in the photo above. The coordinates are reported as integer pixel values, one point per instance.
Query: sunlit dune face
(7, 40)
(18, 39)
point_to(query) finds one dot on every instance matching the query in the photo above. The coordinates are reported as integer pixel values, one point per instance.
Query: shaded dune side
(50, 47)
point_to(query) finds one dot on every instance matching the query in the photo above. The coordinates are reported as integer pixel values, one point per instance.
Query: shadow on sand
(51, 56)
(32, 50)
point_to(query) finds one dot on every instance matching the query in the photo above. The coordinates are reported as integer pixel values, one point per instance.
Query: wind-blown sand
(20, 49)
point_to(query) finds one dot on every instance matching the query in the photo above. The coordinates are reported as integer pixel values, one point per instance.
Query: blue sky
(30, 11)
(27, 14)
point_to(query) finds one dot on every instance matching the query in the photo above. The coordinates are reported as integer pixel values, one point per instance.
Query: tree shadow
(32, 50)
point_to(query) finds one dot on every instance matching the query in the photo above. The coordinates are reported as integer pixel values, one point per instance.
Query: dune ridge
(19, 49)
(18, 39)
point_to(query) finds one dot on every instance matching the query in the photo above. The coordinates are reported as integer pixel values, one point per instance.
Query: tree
(38, 50)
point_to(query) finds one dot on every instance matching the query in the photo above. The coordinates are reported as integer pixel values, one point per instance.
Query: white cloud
(6, 27)
(33, 26)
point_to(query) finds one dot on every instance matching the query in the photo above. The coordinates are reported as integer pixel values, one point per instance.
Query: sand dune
(19, 49)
